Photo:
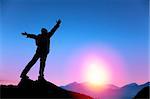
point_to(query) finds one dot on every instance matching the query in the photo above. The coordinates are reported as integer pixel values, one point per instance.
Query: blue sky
(122, 24)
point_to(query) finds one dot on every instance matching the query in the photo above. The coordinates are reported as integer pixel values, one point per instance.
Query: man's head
(44, 31)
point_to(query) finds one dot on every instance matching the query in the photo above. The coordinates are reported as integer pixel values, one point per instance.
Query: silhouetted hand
(58, 21)
(24, 33)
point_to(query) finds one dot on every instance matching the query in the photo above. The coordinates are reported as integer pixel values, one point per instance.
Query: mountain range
(38, 89)
(110, 91)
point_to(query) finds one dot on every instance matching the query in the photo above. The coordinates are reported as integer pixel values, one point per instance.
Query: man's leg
(42, 66)
(29, 65)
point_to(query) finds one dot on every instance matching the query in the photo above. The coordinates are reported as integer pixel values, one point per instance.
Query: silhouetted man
(43, 43)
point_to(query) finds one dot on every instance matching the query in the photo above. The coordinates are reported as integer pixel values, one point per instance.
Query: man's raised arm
(29, 35)
(54, 28)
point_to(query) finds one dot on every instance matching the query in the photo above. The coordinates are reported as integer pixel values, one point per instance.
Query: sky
(114, 31)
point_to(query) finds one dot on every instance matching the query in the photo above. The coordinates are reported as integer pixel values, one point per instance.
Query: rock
(143, 94)
(28, 88)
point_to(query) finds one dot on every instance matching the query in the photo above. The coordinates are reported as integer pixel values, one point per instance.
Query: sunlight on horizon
(98, 66)
(96, 74)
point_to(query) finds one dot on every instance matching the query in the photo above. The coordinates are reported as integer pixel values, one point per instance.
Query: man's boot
(23, 76)
(41, 78)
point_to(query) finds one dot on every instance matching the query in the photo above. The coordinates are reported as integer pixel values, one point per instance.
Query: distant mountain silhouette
(38, 89)
(109, 92)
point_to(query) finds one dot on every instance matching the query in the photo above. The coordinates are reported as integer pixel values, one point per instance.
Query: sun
(96, 73)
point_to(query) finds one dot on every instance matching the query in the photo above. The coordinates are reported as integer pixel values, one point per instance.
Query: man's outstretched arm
(29, 35)
(54, 28)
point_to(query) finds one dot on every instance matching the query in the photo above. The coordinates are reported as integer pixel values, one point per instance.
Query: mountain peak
(147, 83)
(111, 86)
(130, 85)
(133, 84)
(74, 83)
